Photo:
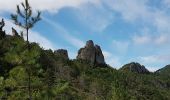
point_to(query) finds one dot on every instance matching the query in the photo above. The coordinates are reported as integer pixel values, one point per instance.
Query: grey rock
(135, 67)
(89, 44)
(91, 53)
(62, 53)
(99, 55)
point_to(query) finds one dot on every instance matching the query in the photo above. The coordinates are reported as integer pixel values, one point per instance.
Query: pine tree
(24, 19)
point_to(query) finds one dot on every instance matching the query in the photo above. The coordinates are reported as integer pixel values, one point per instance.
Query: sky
(127, 30)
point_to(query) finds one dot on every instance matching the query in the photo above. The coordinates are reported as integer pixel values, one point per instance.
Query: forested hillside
(53, 77)
(29, 72)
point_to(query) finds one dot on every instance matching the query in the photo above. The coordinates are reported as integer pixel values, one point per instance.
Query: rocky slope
(135, 67)
(164, 71)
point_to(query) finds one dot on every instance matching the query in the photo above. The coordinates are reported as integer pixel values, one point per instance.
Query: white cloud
(155, 59)
(112, 60)
(65, 34)
(140, 12)
(107, 54)
(152, 69)
(154, 62)
(146, 39)
(95, 18)
(131, 10)
(120, 46)
(161, 20)
(33, 36)
(43, 42)
(138, 39)
(166, 3)
(163, 39)
(44, 5)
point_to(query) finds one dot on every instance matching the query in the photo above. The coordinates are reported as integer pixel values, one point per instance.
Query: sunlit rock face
(91, 53)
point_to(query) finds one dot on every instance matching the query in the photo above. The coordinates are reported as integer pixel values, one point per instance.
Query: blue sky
(126, 30)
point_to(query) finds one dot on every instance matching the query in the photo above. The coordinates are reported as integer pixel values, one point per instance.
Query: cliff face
(92, 53)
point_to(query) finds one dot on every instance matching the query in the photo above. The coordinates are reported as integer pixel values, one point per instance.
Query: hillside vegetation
(55, 78)
(28, 72)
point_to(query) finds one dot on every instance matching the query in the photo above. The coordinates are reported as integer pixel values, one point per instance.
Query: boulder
(91, 53)
(62, 53)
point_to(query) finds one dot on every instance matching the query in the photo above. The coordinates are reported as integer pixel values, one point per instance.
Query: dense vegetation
(54, 78)
(28, 72)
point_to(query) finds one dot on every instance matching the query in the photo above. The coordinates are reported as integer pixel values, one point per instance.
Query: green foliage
(27, 15)
(53, 78)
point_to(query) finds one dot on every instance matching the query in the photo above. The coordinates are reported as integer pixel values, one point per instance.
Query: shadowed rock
(62, 53)
(91, 53)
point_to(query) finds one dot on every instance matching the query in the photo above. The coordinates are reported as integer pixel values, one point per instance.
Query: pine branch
(34, 20)
(23, 5)
(19, 12)
(27, 4)
(29, 13)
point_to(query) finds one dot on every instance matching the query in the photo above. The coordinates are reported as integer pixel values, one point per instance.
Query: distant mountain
(164, 71)
(135, 67)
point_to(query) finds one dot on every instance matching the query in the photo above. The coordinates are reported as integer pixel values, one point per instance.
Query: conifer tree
(24, 19)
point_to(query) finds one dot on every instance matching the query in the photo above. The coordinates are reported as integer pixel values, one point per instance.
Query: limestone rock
(91, 53)
(135, 67)
(62, 53)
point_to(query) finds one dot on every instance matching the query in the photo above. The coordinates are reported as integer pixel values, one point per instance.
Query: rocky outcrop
(62, 53)
(91, 53)
(135, 67)
(14, 32)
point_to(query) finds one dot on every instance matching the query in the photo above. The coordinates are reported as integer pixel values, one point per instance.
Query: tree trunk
(29, 73)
